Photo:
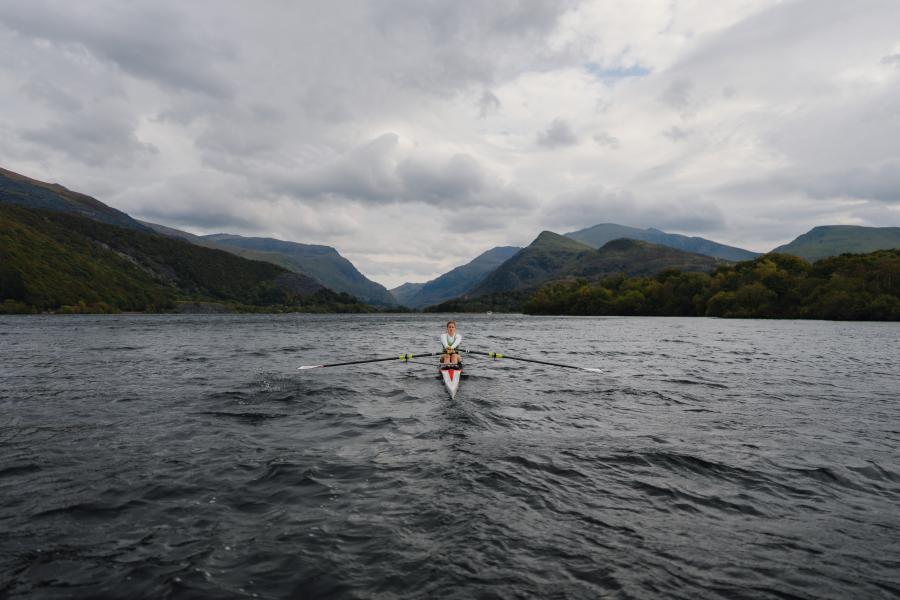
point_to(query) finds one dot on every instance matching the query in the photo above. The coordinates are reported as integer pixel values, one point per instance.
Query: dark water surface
(186, 457)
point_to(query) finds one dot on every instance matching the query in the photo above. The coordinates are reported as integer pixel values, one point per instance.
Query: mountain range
(36, 216)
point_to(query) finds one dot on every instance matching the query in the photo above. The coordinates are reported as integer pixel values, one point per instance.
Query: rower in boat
(451, 366)
(450, 341)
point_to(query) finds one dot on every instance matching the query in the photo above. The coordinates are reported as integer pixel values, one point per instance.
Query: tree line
(780, 286)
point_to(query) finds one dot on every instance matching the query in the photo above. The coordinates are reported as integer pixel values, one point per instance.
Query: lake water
(186, 457)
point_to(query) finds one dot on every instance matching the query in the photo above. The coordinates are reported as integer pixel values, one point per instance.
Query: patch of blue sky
(616, 73)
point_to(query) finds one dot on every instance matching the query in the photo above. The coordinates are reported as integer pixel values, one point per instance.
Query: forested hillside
(52, 261)
(847, 287)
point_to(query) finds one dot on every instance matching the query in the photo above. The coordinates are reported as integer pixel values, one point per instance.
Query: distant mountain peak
(598, 235)
(455, 282)
(549, 239)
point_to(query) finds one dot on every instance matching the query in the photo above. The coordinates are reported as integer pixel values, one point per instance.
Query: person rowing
(450, 341)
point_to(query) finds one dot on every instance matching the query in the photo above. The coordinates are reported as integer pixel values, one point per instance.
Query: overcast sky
(412, 134)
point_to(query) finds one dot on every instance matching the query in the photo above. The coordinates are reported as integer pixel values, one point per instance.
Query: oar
(403, 357)
(497, 355)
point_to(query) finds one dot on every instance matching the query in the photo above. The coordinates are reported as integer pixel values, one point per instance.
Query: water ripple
(185, 457)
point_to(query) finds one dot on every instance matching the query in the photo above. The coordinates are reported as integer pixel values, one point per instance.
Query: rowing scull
(452, 375)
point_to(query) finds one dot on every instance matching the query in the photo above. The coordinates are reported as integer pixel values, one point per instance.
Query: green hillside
(549, 256)
(52, 261)
(322, 263)
(834, 240)
(498, 302)
(634, 257)
(598, 235)
(455, 282)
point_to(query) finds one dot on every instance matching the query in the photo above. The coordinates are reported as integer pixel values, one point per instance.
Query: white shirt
(448, 342)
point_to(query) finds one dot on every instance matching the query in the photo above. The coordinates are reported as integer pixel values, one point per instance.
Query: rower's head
(451, 327)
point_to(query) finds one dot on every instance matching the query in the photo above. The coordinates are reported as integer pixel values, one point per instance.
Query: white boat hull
(451, 379)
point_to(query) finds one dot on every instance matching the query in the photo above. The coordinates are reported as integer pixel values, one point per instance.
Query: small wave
(247, 417)
(290, 472)
(692, 502)
(545, 465)
(91, 510)
(698, 382)
(874, 472)
(17, 470)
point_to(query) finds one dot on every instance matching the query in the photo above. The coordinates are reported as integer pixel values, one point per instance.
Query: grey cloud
(892, 60)
(98, 138)
(559, 133)
(367, 173)
(328, 102)
(678, 94)
(267, 113)
(604, 138)
(465, 43)
(144, 40)
(488, 104)
(202, 201)
(471, 22)
(882, 185)
(241, 134)
(676, 134)
(878, 183)
(459, 68)
(378, 173)
(538, 16)
(185, 110)
(52, 95)
(596, 204)
(459, 178)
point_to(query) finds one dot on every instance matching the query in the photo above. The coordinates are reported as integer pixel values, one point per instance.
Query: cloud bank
(412, 136)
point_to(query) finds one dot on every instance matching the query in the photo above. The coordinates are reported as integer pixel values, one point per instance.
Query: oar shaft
(402, 357)
(497, 355)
